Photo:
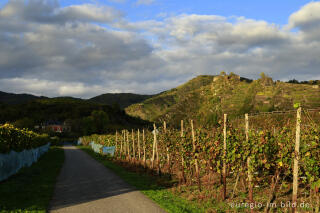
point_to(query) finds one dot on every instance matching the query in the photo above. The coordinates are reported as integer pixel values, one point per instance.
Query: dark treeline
(311, 82)
(82, 117)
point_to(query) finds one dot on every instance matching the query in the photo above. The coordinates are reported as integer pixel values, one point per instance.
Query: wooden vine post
(124, 143)
(133, 147)
(128, 145)
(196, 157)
(182, 159)
(139, 151)
(125, 150)
(296, 162)
(168, 154)
(224, 168)
(121, 145)
(250, 176)
(154, 145)
(144, 149)
(116, 141)
(158, 158)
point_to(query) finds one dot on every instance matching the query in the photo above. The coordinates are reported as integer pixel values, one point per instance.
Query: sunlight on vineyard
(15, 139)
(270, 146)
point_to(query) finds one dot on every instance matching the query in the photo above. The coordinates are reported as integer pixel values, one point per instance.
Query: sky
(85, 48)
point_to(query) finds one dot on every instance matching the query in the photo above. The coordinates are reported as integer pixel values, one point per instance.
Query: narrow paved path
(85, 185)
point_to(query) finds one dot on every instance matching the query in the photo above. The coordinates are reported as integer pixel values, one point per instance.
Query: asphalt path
(85, 185)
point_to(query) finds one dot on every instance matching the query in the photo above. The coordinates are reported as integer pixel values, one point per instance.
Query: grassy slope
(203, 98)
(32, 188)
(158, 105)
(148, 186)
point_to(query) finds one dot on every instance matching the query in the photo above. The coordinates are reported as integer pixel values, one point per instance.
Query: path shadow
(83, 179)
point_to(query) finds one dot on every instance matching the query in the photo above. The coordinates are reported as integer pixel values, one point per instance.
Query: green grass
(31, 189)
(148, 186)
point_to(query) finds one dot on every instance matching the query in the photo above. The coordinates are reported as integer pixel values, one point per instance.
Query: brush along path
(84, 185)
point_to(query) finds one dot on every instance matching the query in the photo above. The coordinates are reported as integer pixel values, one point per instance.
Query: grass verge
(31, 189)
(148, 186)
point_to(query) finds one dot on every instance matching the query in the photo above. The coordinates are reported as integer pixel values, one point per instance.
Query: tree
(293, 81)
(25, 123)
(223, 73)
(101, 120)
(88, 125)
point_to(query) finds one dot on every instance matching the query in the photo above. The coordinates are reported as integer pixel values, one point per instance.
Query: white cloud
(49, 50)
(50, 12)
(307, 20)
(51, 88)
(306, 17)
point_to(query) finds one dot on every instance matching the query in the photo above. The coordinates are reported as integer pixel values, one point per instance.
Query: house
(56, 126)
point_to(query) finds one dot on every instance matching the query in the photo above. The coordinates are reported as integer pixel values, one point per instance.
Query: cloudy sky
(84, 48)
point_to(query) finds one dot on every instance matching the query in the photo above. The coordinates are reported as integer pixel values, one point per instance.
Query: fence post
(224, 169)
(168, 154)
(154, 144)
(296, 162)
(128, 145)
(133, 147)
(124, 143)
(250, 176)
(182, 159)
(194, 151)
(139, 145)
(116, 141)
(158, 159)
(121, 144)
(144, 149)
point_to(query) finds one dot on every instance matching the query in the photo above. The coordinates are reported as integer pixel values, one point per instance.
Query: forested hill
(10, 98)
(122, 99)
(96, 115)
(84, 117)
(206, 98)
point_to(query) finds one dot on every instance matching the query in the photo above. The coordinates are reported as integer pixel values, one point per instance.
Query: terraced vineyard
(196, 159)
(205, 98)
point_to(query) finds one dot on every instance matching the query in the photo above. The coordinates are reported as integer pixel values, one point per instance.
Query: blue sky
(86, 48)
(271, 10)
(274, 11)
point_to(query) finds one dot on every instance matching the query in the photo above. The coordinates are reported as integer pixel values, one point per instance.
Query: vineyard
(268, 163)
(14, 139)
(19, 148)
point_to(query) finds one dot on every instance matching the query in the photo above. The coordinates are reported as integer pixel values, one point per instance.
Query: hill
(82, 116)
(97, 115)
(122, 99)
(206, 98)
(11, 98)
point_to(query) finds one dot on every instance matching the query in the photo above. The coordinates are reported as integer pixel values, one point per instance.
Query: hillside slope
(206, 98)
(83, 116)
(152, 108)
(11, 98)
(122, 99)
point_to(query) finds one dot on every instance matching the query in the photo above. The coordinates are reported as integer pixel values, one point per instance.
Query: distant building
(56, 126)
